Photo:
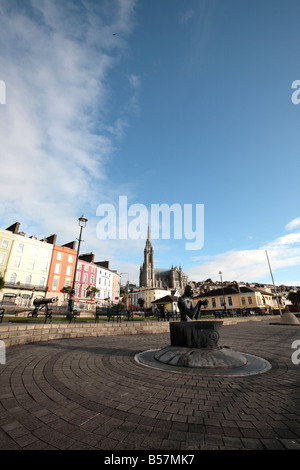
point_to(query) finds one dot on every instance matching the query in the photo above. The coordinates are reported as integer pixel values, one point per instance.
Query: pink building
(85, 278)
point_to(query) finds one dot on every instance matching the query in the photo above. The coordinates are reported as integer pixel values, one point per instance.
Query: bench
(35, 312)
(124, 314)
(172, 315)
(72, 315)
(112, 314)
(104, 312)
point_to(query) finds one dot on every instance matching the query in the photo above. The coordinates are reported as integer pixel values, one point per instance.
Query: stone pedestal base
(195, 344)
(289, 318)
(216, 358)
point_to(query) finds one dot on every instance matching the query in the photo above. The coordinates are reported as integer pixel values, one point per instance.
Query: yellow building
(237, 298)
(149, 296)
(25, 264)
(6, 242)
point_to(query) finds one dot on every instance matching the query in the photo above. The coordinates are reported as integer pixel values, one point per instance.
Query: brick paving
(90, 393)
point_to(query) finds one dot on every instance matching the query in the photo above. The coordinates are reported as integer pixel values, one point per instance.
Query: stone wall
(14, 335)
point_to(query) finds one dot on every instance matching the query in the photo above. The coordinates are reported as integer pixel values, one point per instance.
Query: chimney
(51, 239)
(71, 245)
(14, 228)
(104, 264)
(89, 257)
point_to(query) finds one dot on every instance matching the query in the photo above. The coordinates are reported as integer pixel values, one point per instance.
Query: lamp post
(224, 302)
(82, 223)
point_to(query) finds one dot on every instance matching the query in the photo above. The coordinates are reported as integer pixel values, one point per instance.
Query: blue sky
(162, 101)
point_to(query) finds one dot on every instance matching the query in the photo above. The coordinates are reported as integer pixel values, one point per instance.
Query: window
(213, 303)
(92, 279)
(17, 261)
(59, 256)
(44, 266)
(67, 282)
(13, 278)
(78, 276)
(31, 263)
(57, 268)
(69, 270)
(230, 301)
(46, 254)
(28, 280)
(5, 244)
(42, 282)
(2, 258)
(250, 300)
(34, 250)
(221, 301)
(20, 247)
(70, 258)
(243, 301)
(85, 276)
(55, 283)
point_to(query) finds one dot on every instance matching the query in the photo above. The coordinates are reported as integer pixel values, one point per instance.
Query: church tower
(147, 278)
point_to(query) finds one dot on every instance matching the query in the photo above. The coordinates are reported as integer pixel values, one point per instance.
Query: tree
(2, 282)
(66, 291)
(92, 291)
(141, 302)
(294, 297)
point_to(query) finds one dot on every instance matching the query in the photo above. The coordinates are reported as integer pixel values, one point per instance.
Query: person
(188, 311)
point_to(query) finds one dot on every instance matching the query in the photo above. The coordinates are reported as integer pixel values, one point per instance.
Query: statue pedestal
(195, 344)
(195, 334)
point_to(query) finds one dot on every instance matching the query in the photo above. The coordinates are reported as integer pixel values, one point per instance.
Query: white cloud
(293, 224)
(57, 129)
(251, 265)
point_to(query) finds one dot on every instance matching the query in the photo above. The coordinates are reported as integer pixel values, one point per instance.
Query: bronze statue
(189, 312)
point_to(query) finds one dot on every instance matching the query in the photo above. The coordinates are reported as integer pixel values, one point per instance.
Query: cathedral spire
(148, 234)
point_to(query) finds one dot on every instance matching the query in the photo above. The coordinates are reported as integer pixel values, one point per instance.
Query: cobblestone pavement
(90, 393)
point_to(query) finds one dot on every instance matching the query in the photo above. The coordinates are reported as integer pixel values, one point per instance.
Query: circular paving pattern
(90, 393)
(253, 365)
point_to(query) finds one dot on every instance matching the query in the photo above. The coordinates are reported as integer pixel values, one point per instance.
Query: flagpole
(274, 284)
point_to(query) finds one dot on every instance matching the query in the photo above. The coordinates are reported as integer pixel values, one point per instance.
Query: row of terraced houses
(34, 268)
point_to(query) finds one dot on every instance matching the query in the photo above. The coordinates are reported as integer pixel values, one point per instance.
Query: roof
(166, 299)
(229, 290)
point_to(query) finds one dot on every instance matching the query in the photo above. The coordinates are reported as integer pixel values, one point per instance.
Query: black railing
(19, 285)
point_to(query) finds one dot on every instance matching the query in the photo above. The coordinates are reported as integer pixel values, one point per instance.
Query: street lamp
(82, 223)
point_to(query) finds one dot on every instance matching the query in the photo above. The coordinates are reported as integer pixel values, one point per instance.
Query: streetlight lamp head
(82, 221)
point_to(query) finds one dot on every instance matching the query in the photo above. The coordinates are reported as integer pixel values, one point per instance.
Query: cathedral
(151, 277)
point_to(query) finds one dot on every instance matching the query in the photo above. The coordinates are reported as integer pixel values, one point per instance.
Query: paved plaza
(91, 393)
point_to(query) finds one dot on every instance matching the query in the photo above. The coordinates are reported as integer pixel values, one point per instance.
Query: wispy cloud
(293, 224)
(58, 130)
(252, 265)
(187, 15)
